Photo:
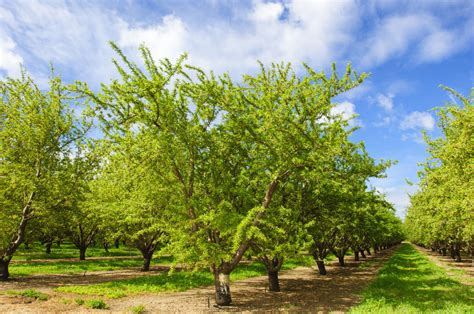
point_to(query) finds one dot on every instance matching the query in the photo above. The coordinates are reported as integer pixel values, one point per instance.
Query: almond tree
(38, 131)
(227, 147)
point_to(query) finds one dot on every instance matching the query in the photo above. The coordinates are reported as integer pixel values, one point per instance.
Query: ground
(302, 288)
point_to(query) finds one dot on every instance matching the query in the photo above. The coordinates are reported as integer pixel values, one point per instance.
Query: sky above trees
(409, 47)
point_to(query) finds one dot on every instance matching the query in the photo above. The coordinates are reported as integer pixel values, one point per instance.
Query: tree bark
(82, 253)
(222, 286)
(341, 260)
(147, 260)
(362, 253)
(273, 282)
(443, 250)
(4, 274)
(48, 247)
(368, 251)
(117, 243)
(457, 255)
(356, 255)
(321, 267)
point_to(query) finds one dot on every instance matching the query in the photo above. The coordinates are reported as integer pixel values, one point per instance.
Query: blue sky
(408, 47)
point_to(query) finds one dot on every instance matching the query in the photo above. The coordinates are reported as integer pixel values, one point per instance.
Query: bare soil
(303, 290)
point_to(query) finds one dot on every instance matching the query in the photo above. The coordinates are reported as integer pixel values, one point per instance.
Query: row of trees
(441, 214)
(206, 168)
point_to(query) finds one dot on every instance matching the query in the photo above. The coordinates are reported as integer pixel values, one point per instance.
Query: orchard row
(169, 157)
(441, 215)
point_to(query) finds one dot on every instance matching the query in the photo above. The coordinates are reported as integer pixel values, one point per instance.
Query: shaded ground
(302, 290)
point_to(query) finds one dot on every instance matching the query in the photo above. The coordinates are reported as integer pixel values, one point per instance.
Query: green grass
(175, 281)
(30, 293)
(410, 283)
(74, 267)
(97, 304)
(68, 250)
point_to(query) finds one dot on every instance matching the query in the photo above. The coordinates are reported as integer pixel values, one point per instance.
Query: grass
(97, 304)
(139, 309)
(74, 267)
(30, 293)
(170, 282)
(410, 283)
(68, 250)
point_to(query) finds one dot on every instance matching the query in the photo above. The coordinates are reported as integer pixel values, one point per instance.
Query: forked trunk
(321, 267)
(274, 284)
(4, 274)
(341, 260)
(222, 286)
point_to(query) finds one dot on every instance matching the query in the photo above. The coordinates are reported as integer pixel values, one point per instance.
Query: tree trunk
(82, 253)
(321, 267)
(458, 255)
(356, 255)
(274, 284)
(48, 247)
(443, 250)
(341, 260)
(368, 251)
(106, 247)
(147, 261)
(4, 274)
(452, 252)
(362, 253)
(222, 286)
(117, 243)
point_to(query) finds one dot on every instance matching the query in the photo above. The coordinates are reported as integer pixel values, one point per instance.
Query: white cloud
(348, 112)
(10, 60)
(399, 196)
(385, 101)
(167, 39)
(384, 121)
(393, 37)
(315, 32)
(418, 120)
(72, 36)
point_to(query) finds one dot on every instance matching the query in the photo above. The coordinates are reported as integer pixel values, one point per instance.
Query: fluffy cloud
(418, 120)
(10, 60)
(295, 31)
(74, 35)
(385, 101)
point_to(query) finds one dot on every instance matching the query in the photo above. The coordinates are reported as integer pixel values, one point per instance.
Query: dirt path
(462, 271)
(303, 290)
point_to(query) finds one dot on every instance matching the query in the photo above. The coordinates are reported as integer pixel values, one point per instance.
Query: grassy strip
(172, 282)
(410, 283)
(75, 267)
(67, 250)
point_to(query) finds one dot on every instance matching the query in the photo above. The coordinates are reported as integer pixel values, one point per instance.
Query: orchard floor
(463, 271)
(303, 290)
